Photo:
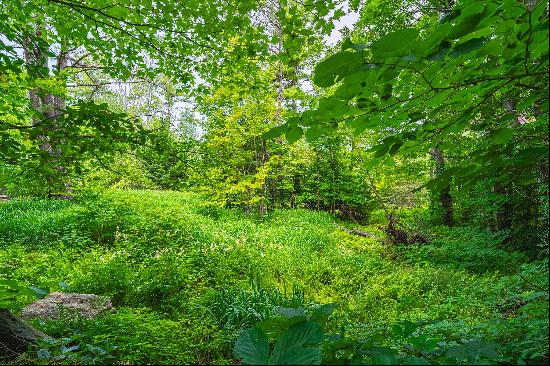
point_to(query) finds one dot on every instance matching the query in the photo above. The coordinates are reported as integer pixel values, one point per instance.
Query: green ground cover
(186, 278)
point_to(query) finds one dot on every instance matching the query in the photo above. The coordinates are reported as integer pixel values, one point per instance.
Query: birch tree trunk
(49, 107)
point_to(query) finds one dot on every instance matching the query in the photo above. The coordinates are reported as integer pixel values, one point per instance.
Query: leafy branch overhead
(423, 86)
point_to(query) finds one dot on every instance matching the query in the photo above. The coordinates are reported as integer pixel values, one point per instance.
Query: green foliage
(237, 310)
(470, 81)
(144, 336)
(407, 343)
(433, 112)
(73, 351)
(298, 336)
(190, 265)
(482, 252)
(404, 343)
(11, 290)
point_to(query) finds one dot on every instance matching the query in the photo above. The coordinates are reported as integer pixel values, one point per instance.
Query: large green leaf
(475, 8)
(502, 135)
(435, 38)
(39, 292)
(384, 356)
(472, 351)
(293, 134)
(252, 347)
(298, 336)
(297, 355)
(468, 46)
(336, 67)
(273, 132)
(302, 334)
(466, 24)
(391, 43)
(322, 312)
(440, 52)
(313, 133)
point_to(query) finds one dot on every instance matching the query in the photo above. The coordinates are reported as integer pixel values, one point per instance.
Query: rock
(50, 307)
(15, 335)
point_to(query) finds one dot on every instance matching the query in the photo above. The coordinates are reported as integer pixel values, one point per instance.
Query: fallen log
(362, 233)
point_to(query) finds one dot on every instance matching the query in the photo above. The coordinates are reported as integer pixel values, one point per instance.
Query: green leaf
(273, 133)
(322, 312)
(440, 53)
(466, 25)
(408, 328)
(364, 103)
(291, 342)
(276, 325)
(120, 12)
(532, 153)
(492, 47)
(435, 38)
(296, 355)
(384, 356)
(293, 134)
(302, 334)
(471, 351)
(252, 347)
(473, 9)
(389, 44)
(347, 44)
(313, 133)
(40, 292)
(468, 46)
(502, 135)
(290, 312)
(389, 74)
(415, 116)
(336, 67)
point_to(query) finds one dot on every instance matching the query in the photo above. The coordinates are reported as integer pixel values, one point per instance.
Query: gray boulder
(50, 307)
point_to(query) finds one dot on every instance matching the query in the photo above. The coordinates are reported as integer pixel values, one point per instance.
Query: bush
(142, 336)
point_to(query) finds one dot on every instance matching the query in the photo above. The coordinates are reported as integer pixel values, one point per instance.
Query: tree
(446, 84)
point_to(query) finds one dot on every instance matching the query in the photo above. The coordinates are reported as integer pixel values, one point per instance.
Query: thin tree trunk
(503, 216)
(445, 198)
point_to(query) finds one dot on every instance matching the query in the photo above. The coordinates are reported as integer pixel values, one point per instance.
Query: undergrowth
(186, 278)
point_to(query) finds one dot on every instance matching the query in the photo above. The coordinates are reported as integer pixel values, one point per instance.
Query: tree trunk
(445, 198)
(15, 335)
(49, 106)
(503, 216)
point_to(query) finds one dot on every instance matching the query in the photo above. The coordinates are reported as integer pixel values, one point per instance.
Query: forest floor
(185, 278)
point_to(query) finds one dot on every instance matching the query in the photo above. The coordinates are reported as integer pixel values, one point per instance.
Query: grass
(186, 277)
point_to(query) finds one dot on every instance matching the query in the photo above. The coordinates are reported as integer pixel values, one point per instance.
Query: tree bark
(15, 335)
(503, 216)
(49, 106)
(445, 198)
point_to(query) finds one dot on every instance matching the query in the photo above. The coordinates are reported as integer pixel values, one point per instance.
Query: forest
(306, 182)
